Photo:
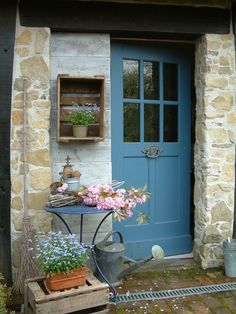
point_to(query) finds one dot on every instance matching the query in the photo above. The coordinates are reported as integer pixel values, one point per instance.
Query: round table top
(79, 209)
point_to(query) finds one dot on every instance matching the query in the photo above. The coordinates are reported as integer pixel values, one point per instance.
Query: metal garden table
(82, 210)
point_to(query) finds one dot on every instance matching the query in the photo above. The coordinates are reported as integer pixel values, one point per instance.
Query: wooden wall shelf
(88, 138)
(74, 92)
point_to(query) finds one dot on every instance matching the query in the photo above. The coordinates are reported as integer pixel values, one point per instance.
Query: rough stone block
(17, 184)
(16, 203)
(35, 68)
(41, 37)
(40, 157)
(38, 200)
(223, 101)
(221, 212)
(216, 82)
(218, 135)
(25, 37)
(40, 178)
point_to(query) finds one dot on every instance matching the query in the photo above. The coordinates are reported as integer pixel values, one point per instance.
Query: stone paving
(172, 274)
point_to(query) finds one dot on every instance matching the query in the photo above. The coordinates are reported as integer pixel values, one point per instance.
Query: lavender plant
(57, 252)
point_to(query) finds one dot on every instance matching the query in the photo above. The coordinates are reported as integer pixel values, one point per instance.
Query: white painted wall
(82, 55)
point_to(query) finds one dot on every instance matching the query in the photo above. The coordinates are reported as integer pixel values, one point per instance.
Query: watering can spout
(157, 255)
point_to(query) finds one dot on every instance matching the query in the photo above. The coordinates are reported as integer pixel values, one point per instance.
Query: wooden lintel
(123, 18)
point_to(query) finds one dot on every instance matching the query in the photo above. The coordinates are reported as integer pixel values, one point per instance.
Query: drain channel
(175, 293)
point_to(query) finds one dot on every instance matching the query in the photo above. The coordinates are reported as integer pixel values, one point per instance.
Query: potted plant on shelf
(62, 258)
(80, 118)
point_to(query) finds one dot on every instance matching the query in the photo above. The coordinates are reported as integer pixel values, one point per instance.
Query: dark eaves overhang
(233, 10)
(124, 18)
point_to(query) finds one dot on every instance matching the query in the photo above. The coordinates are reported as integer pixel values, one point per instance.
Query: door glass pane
(170, 123)
(170, 77)
(131, 79)
(151, 123)
(151, 80)
(131, 123)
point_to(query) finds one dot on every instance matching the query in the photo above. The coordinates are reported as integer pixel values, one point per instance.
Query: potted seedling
(62, 258)
(80, 118)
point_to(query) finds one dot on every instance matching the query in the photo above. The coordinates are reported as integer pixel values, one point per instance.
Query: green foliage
(131, 123)
(3, 297)
(190, 272)
(142, 218)
(82, 115)
(166, 273)
(131, 82)
(120, 311)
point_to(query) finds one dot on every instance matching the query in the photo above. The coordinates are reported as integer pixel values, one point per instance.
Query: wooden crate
(91, 298)
(80, 91)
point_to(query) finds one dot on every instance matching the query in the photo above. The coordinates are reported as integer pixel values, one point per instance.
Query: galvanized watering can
(110, 258)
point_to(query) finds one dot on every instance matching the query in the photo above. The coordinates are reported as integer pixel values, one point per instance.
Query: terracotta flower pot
(61, 281)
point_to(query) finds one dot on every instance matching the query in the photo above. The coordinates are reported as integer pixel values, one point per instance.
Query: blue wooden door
(151, 111)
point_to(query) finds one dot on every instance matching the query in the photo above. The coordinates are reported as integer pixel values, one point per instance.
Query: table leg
(95, 259)
(65, 223)
(81, 228)
(99, 226)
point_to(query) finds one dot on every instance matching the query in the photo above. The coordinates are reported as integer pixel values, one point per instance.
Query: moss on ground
(183, 272)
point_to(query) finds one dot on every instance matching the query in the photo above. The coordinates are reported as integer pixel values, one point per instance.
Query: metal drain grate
(175, 293)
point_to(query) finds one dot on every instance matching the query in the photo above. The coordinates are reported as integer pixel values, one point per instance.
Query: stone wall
(82, 55)
(31, 61)
(215, 82)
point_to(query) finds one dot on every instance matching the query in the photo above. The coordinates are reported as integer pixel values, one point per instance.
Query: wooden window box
(79, 91)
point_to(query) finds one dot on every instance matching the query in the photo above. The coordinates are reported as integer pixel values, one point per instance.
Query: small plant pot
(61, 281)
(73, 183)
(80, 130)
(229, 249)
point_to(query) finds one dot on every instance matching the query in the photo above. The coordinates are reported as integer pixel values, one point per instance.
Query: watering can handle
(110, 234)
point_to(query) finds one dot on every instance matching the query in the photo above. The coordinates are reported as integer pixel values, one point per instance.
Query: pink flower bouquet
(121, 201)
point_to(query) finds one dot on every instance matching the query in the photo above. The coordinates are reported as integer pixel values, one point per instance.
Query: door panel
(167, 188)
(151, 107)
